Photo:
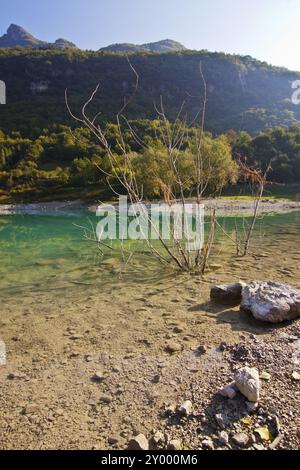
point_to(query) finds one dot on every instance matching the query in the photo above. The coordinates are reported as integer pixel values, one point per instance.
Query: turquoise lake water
(49, 250)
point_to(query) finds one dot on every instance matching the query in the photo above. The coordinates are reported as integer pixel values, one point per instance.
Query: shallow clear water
(49, 251)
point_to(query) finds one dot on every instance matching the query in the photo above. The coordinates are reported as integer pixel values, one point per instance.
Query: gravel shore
(224, 206)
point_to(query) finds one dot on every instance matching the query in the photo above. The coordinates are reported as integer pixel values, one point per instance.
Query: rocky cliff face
(242, 93)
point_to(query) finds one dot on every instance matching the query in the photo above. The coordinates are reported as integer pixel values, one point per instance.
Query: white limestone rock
(248, 383)
(271, 302)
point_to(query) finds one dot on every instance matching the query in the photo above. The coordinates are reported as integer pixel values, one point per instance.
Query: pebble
(258, 447)
(12, 376)
(241, 439)
(112, 440)
(139, 442)
(107, 399)
(220, 420)
(248, 383)
(208, 444)
(31, 409)
(173, 347)
(186, 408)
(98, 376)
(223, 346)
(276, 442)
(178, 329)
(156, 379)
(202, 349)
(229, 391)
(76, 337)
(175, 445)
(276, 426)
(223, 438)
(158, 438)
(74, 354)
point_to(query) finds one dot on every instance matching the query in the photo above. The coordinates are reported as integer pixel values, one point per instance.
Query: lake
(49, 250)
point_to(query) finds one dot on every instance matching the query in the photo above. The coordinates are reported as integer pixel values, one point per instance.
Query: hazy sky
(265, 29)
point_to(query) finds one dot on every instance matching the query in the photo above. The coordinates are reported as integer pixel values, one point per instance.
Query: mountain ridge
(164, 45)
(17, 36)
(242, 93)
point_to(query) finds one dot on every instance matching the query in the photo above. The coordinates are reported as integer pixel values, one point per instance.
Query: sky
(265, 29)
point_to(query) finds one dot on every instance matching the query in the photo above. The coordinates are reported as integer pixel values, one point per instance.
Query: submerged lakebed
(49, 250)
(66, 314)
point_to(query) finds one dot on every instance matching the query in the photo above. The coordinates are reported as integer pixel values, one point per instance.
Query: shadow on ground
(238, 319)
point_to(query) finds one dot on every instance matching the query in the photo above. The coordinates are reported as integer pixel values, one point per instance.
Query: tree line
(61, 158)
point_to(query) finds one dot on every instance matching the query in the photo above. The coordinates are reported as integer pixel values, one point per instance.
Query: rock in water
(139, 442)
(228, 294)
(248, 383)
(271, 301)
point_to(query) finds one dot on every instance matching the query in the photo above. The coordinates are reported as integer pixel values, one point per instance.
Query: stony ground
(89, 370)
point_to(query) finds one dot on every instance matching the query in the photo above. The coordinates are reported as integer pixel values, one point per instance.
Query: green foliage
(243, 94)
(153, 167)
(61, 159)
(277, 147)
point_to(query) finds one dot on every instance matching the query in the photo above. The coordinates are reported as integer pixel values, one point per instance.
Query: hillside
(166, 45)
(16, 36)
(243, 94)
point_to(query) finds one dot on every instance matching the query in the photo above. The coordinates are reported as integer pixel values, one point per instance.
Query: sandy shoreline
(48, 397)
(224, 206)
(154, 342)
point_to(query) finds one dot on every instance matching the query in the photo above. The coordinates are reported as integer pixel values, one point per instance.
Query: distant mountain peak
(165, 45)
(15, 29)
(17, 36)
(64, 44)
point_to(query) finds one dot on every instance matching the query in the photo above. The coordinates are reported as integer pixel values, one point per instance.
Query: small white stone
(158, 438)
(186, 408)
(241, 439)
(208, 444)
(248, 382)
(223, 438)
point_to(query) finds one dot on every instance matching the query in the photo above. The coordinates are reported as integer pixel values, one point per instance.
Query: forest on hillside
(242, 93)
(249, 115)
(63, 160)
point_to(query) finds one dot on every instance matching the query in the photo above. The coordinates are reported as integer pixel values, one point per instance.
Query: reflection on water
(48, 251)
